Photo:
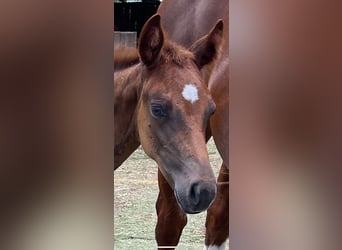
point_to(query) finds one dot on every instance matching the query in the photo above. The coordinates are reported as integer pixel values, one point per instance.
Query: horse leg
(217, 222)
(171, 219)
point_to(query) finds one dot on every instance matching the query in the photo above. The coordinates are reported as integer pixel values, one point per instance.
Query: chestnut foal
(185, 23)
(162, 103)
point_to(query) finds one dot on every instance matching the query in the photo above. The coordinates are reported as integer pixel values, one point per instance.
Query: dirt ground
(135, 194)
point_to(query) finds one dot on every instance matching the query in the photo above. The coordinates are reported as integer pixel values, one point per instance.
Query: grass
(135, 194)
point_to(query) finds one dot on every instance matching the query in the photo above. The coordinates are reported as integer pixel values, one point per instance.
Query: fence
(132, 16)
(125, 39)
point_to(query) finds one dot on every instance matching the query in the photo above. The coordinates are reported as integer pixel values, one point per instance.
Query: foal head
(173, 112)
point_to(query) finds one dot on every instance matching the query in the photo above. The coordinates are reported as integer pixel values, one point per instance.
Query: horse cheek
(145, 133)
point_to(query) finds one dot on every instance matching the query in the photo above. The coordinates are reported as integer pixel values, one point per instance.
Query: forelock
(173, 53)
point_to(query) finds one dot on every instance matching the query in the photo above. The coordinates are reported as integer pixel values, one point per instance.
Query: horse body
(162, 103)
(126, 139)
(197, 19)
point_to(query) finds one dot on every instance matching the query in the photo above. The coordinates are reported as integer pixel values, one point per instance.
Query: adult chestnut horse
(162, 103)
(185, 23)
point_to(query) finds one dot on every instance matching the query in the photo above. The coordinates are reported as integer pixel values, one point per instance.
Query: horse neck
(126, 94)
(125, 57)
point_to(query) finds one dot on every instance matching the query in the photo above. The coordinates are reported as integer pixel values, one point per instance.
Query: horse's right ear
(207, 48)
(151, 40)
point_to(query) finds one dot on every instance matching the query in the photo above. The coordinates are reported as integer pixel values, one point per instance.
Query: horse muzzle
(196, 197)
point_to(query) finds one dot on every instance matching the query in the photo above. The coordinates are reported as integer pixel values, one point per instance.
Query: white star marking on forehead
(190, 93)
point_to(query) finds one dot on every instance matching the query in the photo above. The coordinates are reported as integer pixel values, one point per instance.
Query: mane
(125, 57)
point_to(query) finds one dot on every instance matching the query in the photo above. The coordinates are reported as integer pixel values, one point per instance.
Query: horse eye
(158, 110)
(212, 107)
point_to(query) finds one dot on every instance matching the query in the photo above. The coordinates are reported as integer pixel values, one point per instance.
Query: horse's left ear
(207, 48)
(151, 40)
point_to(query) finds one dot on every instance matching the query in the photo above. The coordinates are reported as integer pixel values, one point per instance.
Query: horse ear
(207, 48)
(151, 40)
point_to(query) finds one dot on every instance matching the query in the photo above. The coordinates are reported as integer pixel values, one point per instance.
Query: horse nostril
(195, 194)
(201, 195)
